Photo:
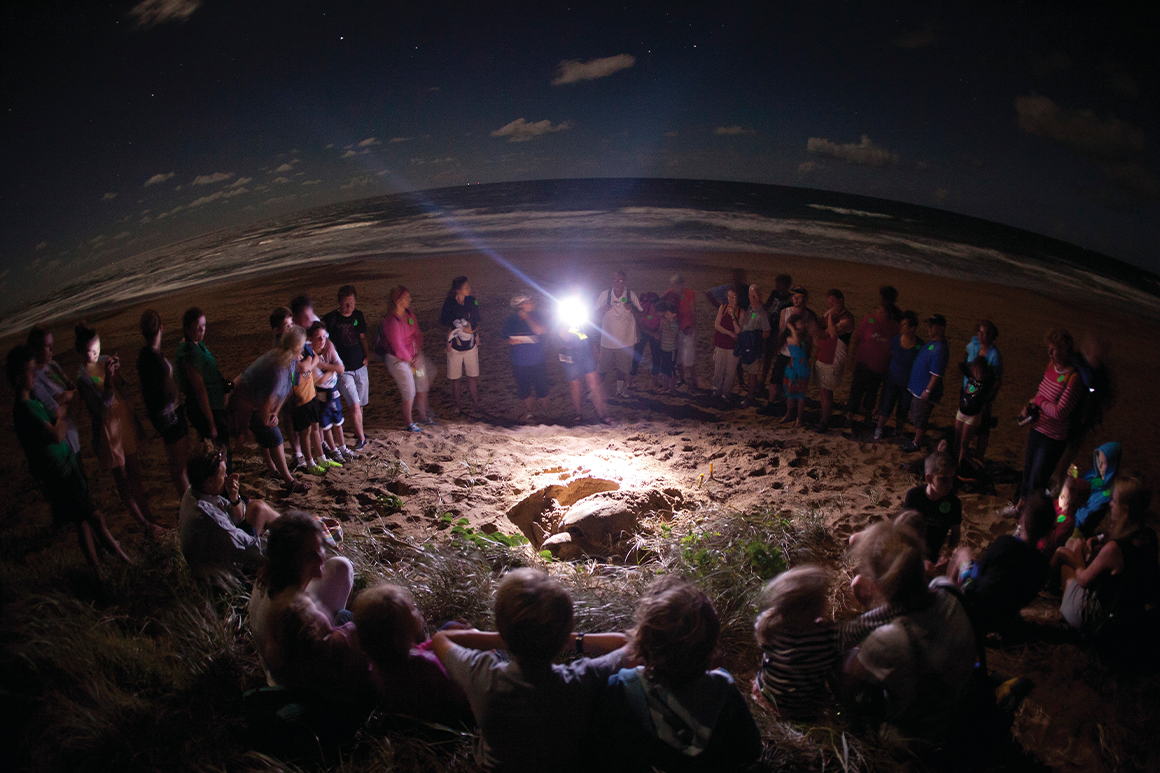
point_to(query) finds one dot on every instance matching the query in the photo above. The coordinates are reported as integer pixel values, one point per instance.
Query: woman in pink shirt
(1049, 413)
(404, 357)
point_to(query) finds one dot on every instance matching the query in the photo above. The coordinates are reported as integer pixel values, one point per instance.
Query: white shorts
(354, 387)
(458, 362)
(410, 383)
(829, 375)
(686, 350)
(616, 359)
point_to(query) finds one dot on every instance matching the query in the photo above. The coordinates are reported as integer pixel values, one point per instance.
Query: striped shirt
(796, 665)
(1059, 393)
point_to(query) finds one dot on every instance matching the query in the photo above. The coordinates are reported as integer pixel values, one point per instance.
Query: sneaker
(413, 427)
(299, 464)
(333, 454)
(317, 469)
(430, 421)
(330, 464)
(360, 445)
(348, 453)
(528, 417)
(877, 435)
(910, 447)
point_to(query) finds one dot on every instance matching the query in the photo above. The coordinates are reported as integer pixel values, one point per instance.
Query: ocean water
(603, 214)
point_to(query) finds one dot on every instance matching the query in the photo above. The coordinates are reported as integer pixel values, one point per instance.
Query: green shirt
(204, 363)
(47, 459)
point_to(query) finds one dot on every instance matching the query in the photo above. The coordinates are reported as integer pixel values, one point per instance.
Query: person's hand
(273, 422)
(212, 429)
(365, 361)
(233, 484)
(61, 411)
(112, 366)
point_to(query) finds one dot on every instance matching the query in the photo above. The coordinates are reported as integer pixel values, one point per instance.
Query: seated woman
(922, 662)
(303, 633)
(221, 534)
(1109, 583)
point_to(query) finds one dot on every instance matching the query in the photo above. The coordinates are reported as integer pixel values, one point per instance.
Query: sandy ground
(658, 455)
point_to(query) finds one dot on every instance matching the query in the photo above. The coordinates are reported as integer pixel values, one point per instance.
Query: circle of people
(661, 704)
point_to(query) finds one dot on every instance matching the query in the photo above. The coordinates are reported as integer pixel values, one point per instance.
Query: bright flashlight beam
(573, 312)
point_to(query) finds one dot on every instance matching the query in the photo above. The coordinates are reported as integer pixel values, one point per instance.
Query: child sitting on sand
(1100, 479)
(800, 645)
(1065, 505)
(942, 510)
(672, 713)
(407, 676)
(532, 714)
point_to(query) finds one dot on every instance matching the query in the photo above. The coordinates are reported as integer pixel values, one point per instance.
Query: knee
(338, 568)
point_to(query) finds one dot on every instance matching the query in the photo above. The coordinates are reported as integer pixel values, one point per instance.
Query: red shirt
(721, 340)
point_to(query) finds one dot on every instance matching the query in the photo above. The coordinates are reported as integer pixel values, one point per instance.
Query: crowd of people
(912, 659)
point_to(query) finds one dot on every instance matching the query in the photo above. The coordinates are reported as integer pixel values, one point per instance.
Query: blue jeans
(1039, 461)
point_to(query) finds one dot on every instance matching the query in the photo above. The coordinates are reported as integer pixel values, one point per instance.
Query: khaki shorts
(616, 359)
(460, 362)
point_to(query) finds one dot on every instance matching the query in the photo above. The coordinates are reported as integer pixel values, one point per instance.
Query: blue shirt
(523, 353)
(901, 360)
(994, 359)
(931, 360)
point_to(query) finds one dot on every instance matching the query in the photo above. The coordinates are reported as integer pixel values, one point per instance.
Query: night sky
(127, 126)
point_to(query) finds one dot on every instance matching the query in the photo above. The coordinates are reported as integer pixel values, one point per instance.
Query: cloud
(520, 130)
(807, 167)
(150, 13)
(574, 71)
(108, 197)
(40, 247)
(864, 152)
(209, 179)
(280, 180)
(145, 219)
(356, 182)
(283, 168)
(1120, 82)
(328, 146)
(420, 161)
(400, 139)
(311, 182)
(1080, 130)
(159, 178)
(1115, 145)
(206, 199)
(99, 239)
(122, 235)
(229, 194)
(278, 199)
(733, 131)
(368, 142)
(927, 36)
(672, 134)
(348, 154)
(238, 183)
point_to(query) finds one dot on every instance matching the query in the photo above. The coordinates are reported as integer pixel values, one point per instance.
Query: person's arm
(393, 334)
(362, 338)
(470, 638)
(935, 377)
(956, 533)
(717, 322)
(200, 393)
(597, 644)
(534, 323)
(1109, 559)
(1061, 407)
(268, 410)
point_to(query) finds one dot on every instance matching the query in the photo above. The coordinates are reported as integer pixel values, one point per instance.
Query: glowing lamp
(573, 312)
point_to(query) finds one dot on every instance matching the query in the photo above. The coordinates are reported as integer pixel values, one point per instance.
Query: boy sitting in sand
(407, 676)
(532, 714)
(942, 510)
(673, 713)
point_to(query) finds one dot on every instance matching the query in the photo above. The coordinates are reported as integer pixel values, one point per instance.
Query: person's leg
(471, 370)
(473, 388)
(638, 355)
(730, 373)
(96, 526)
(421, 405)
(125, 491)
(455, 376)
(89, 548)
(719, 366)
(278, 455)
(596, 390)
(827, 401)
(574, 387)
(178, 454)
(624, 360)
(456, 388)
(961, 440)
(983, 432)
(332, 589)
(137, 488)
(540, 376)
(260, 515)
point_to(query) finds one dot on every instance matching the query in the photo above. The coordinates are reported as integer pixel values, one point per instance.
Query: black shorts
(198, 421)
(529, 377)
(266, 437)
(171, 427)
(777, 372)
(302, 416)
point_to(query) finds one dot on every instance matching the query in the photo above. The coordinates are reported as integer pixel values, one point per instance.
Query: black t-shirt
(939, 515)
(453, 310)
(1011, 572)
(345, 333)
(157, 387)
